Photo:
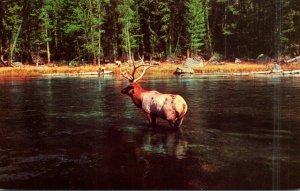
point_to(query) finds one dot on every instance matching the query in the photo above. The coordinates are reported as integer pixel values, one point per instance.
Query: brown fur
(167, 106)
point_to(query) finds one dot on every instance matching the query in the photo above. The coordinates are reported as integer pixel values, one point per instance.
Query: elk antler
(125, 74)
(131, 77)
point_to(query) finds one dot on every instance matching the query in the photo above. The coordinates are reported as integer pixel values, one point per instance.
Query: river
(82, 133)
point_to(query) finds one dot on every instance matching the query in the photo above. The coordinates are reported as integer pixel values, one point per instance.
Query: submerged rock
(184, 70)
(276, 68)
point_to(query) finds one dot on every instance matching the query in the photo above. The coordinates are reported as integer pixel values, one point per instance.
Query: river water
(82, 133)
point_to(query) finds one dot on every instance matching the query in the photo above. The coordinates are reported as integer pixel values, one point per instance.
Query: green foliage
(85, 23)
(11, 23)
(13, 17)
(196, 24)
(161, 27)
(129, 20)
(98, 29)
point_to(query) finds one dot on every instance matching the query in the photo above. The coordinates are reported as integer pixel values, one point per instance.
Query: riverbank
(164, 68)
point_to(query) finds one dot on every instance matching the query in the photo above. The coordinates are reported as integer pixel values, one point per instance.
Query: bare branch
(2, 61)
(131, 76)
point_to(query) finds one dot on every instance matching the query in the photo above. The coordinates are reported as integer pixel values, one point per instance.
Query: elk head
(134, 88)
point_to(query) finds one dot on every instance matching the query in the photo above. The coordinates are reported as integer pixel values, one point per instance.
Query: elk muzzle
(128, 90)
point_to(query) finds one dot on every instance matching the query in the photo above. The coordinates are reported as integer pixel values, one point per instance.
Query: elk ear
(131, 91)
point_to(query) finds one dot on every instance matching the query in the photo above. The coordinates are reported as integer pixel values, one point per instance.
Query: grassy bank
(163, 68)
(37, 71)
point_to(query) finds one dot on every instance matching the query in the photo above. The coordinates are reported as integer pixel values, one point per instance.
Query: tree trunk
(99, 47)
(128, 42)
(278, 30)
(224, 26)
(48, 48)
(0, 45)
(210, 48)
(10, 54)
(12, 45)
(94, 60)
(188, 53)
(178, 39)
(99, 33)
(55, 36)
(91, 32)
(37, 57)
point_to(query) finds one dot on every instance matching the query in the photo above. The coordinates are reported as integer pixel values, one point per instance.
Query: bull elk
(169, 107)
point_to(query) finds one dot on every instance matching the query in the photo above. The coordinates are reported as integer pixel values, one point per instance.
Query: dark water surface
(81, 133)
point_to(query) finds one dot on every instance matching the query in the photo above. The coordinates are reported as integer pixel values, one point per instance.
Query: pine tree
(97, 29)
(178, 32)
(229, 26)
(166, 26)
(47, 26)
(30, 36)
(288, 19)
(85, 24)
(75, 26)
(196, 25)
(12, 25)
(112, 29)
(129, 20)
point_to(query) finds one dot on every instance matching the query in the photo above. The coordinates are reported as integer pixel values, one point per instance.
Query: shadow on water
(81, 133)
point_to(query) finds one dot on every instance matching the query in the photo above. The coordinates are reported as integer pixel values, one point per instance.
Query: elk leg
(153, 118)
(178, 122)
(149, 118)
(171, 123)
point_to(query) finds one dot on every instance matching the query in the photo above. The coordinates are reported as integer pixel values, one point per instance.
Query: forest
(50, 31)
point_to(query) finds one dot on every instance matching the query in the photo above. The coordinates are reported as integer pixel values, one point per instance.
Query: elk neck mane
(137, 96)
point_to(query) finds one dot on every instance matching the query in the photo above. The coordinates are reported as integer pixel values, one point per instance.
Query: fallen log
(294, 59)
(292, 72)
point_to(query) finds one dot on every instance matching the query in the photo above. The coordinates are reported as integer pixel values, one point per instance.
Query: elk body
(155, 104)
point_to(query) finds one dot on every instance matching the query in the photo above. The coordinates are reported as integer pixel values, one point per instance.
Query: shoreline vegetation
(163, 68)
(61, 33)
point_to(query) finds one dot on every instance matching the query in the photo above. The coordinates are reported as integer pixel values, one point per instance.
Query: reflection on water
(164, 143)
(81, 133)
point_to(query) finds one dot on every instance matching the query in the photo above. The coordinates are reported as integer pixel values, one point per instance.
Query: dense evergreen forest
(98, 30)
